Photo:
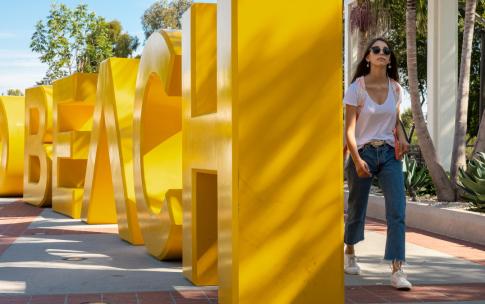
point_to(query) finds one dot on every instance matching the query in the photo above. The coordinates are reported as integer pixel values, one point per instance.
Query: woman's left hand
(403, 148)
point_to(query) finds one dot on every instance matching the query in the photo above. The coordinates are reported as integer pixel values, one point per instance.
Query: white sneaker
(399, 281)
(350, 264)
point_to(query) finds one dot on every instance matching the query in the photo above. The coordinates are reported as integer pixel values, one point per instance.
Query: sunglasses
(377, 50)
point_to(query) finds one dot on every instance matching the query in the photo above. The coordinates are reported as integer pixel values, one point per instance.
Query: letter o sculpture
(12, 122)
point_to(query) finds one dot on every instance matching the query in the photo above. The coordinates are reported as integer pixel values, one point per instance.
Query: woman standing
(372, 113)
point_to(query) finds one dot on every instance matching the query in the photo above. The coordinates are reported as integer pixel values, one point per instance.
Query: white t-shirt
(375, 122)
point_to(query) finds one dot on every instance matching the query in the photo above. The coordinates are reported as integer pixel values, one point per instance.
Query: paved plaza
(48, 258)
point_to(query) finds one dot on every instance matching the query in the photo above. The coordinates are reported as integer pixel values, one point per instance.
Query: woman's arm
(350, 120)
(401, 135)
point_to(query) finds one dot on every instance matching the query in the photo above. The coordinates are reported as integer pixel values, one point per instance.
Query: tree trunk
(412, 194)
(362, 41)
(458, 158)
(480, 143)
(443, 186)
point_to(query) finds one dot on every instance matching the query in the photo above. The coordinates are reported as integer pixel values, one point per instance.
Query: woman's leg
(392, 183)
(391, 180)
(357, 203)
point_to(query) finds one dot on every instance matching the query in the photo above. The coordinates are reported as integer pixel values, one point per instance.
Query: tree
(164, 14)
(444, 189)
(458, 158)
(14, 92)
(474, 85)
(71, 41)
(373, 19)
(370, 19)
(474, 91)
(123, 44)
(397, 38)
(476, 127)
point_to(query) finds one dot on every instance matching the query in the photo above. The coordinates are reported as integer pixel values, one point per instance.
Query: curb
(440, 218)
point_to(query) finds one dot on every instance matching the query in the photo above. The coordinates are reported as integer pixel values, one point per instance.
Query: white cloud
(20, 79)
(7, 35)
(20, 63)
(19, 69)
(6, 54)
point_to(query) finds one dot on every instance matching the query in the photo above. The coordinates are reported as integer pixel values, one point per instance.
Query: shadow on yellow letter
(12, 122)
(74, 98)
(38, 146)
(199, 103)
(157, 145)
(280, 177)
(109, 174)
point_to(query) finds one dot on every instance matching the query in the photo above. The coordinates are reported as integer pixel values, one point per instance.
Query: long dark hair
(363, 70)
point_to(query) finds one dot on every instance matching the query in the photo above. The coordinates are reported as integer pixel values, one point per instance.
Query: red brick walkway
(16, 217)
(461, 249)
(14, 220)
(159, 297)
(422, 293)
(354, 294)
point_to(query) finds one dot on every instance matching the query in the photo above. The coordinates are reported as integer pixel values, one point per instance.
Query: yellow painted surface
(199, 103)
(109, 174)
(74, 98)
(12, 122)
(157, 145)
(38, 146)
(280, 178)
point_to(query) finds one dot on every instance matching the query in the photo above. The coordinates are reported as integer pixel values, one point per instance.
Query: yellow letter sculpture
(12, 122)
(38, 146)
(157, 145)
(199, 102)
(280, 185)
(109, 174)
(74, 98)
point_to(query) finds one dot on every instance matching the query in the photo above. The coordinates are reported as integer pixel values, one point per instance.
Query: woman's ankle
(349, 249)
(396, 266)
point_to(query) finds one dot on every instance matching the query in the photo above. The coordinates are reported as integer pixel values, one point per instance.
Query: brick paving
(14, 220)
(424, 293)
(152, 297)
(461, 249)
(354, 295)
(16, 217)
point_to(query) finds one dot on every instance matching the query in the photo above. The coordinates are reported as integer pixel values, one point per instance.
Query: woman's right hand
(362, 168)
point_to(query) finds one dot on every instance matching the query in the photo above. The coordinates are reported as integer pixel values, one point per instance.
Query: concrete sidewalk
(49, 258)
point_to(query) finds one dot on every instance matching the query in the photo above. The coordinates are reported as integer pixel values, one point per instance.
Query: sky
(20, 68)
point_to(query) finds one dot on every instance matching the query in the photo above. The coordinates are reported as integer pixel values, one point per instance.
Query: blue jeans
(383, 164)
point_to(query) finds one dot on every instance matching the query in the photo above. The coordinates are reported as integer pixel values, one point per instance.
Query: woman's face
(379, 54)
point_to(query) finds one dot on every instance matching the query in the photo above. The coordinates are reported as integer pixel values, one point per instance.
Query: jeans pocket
(363, 149)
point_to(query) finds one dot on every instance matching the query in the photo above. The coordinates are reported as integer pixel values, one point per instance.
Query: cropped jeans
(383, 164)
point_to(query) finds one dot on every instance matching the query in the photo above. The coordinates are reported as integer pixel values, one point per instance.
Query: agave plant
(416, 178)
(472, 182)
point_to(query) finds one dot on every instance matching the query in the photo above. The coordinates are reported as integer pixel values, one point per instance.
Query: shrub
(472, 182)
